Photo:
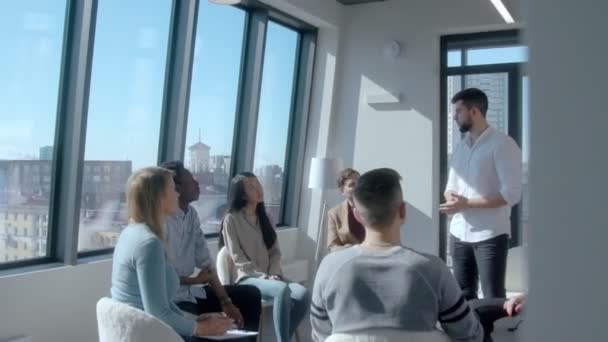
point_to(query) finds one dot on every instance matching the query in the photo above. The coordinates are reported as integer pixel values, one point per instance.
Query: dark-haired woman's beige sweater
(246, 246)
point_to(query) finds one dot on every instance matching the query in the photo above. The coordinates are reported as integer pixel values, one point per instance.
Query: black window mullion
(515, 131)
(296, 143)
(71, 129)
(482, 39)
(178, 78)
(249, 92)
(443, 141)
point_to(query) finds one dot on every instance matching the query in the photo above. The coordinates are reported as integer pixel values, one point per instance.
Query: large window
(494, 63)
(213, 104)
(93, 91)
(124, 116)
(31, 32)
(275, 113)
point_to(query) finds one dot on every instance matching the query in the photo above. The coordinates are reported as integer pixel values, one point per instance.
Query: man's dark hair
(378, 196)
(473, 97)
(177, 167)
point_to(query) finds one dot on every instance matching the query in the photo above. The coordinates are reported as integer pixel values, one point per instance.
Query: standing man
(484, 182)
(187, 249)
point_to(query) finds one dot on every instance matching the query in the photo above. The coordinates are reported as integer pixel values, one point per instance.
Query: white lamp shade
(323, 173)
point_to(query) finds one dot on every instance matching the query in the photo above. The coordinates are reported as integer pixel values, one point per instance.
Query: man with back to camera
(381, 284)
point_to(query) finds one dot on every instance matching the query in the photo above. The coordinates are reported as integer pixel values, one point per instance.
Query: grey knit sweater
(399, 288)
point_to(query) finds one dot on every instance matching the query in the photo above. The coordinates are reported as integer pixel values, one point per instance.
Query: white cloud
(147, 38)
(44, 47)
(38, 22)
(11, 152)
(141, 82)
(16, 132)
(198, 47)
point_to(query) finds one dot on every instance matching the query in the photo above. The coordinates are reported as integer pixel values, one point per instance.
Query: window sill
(288, 237)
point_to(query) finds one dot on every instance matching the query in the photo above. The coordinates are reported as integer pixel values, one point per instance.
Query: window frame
(175, 113)
(72, 110)
(297, 121)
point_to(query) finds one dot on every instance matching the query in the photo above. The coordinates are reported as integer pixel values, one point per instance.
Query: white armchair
(119, 322)
(225, 267)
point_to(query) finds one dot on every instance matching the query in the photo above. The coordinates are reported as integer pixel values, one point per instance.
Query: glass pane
(454, 86)
(498, 55)
(213, 100)
(454, 58)
(525, 147)
(32, 32)
(274, 114)
(496, 87)
(124, 111)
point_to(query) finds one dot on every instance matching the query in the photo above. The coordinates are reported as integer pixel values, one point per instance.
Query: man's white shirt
(487, 167)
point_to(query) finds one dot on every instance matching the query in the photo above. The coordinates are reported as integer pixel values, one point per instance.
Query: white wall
(403, 136)
(57, 305)
(568, 169)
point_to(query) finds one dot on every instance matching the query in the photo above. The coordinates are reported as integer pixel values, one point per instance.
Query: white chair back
(390, 335)
(224, 265)
(119, 322)
(516, 280)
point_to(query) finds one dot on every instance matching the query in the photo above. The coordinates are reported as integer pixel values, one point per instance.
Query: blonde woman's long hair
(145, 189)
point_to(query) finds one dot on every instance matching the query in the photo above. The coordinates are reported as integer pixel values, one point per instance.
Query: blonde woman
(141, 275)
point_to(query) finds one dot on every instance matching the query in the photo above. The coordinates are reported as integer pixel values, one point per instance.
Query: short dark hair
(378, 196)
(177, 167)
(344, 175)
(473, 97)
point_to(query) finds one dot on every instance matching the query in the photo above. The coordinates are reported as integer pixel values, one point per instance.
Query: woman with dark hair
(252, 243)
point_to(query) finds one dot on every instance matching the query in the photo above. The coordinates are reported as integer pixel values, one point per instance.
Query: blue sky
(29, 66)
(128, 77)
(509, 54)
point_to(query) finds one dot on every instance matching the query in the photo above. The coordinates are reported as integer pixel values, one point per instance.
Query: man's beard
(465, 127)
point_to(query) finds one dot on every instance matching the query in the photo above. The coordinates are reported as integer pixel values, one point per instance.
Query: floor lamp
(323, 173)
